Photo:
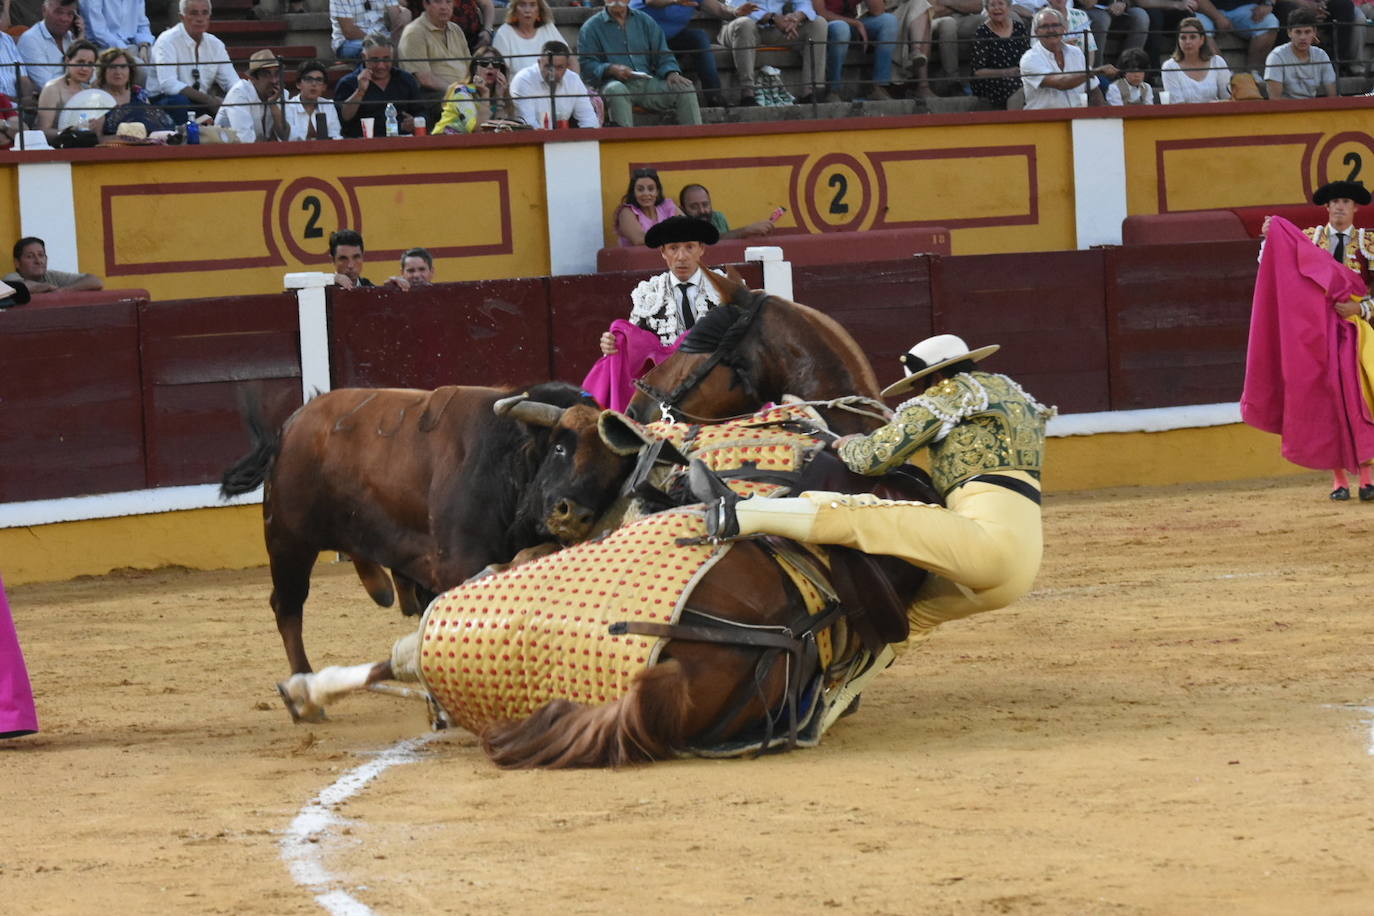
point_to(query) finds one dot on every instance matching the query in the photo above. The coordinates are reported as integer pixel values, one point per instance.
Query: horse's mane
(713, 330)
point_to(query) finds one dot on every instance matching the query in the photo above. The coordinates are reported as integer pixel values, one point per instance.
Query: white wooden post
(314, 325)
(777, 273)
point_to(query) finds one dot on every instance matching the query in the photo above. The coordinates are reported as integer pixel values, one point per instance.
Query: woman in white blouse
(304, 108)
(1193, 73)
(529, 25)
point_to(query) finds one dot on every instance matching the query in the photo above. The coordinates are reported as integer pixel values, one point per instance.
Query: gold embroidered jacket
(975, 423)
(1361, 242)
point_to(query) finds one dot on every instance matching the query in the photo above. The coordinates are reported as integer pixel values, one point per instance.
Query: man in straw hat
(986, 438)
(1312, 410)
(664, 308)
(251, 105)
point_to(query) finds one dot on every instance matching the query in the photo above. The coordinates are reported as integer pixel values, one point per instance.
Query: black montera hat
(1332, 190)
(681, 229)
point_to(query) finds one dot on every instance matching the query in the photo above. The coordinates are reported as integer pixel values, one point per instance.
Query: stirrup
(719, 499)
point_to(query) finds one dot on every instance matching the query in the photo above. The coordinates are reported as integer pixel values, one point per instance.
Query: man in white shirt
(547, 92)
(15, 84)
(120, 24)
(1055, 74)
(353, 20)
(250, 107)
(43, 44)
(189, 63)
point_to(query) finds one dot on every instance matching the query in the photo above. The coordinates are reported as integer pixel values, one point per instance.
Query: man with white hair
(190, 64)
(43, 46)
(1054, 73)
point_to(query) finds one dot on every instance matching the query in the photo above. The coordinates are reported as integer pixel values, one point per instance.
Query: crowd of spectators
(447, 66)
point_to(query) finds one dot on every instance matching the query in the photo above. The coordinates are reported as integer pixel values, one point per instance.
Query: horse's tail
(645, 724)
(251, 470)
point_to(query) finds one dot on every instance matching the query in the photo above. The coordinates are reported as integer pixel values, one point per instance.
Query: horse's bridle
(727, 352)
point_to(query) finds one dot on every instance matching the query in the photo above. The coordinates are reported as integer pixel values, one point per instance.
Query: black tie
(687, 319)
(1339, 252)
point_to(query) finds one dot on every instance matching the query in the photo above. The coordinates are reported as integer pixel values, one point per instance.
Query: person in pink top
(642, 208)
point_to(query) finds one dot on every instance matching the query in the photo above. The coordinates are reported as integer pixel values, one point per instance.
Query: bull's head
(578, 476)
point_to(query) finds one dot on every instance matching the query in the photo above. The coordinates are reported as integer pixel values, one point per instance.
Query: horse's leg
(645, 724)
(291, 565)
(375, 580)
(306, 695)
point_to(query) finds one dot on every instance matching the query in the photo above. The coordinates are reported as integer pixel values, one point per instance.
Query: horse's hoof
(296, 696)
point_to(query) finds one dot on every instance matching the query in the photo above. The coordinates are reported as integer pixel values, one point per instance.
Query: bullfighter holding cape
(1307, 368)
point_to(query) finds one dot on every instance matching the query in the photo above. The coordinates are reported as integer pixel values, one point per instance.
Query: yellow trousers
(983, 550)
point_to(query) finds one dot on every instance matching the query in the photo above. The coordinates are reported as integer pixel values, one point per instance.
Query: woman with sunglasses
(117, 75)
(485, 97)
(77, 75)
(304, 108)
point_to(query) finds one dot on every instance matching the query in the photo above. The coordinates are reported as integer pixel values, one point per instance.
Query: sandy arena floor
(1176, 721)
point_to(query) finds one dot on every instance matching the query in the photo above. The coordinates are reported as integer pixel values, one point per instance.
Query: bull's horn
(503, 406)
(536, 413)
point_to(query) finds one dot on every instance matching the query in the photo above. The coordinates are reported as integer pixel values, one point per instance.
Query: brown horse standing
(434, 485)
(753, 349)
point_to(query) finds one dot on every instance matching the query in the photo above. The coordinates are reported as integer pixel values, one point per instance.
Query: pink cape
(1302, 368)
(17, 715)
(611, 380)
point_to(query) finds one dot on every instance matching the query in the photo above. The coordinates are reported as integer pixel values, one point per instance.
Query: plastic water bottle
(83, 121)
(192, 132)
(392, 127)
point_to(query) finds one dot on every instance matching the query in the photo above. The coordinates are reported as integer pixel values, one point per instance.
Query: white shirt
(1214, 87)
(40, 53)
(1038, 63)
(1134, 94)
(176, 55)
(117, 23)
(522, 52)
(298, 122)
(531, 96)
(9, 56)
(244, 111)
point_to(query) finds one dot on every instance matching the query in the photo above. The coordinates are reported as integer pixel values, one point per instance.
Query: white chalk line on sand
(302, 843)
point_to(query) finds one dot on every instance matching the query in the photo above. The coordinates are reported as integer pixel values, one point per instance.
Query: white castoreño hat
(935, 353)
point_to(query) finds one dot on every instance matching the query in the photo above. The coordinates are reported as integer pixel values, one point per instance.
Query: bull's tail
(251, 470)
(645, 724)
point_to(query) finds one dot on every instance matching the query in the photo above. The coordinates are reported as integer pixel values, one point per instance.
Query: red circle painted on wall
(838, 193)
(308, 210)
(1347, 156)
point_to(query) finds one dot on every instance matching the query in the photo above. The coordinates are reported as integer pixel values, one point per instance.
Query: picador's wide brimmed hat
(1334, 190)
(681, 229)
(932, 354)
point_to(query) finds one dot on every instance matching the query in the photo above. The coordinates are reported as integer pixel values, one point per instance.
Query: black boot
(1340, 494)
(1367, 493)
(718, 498)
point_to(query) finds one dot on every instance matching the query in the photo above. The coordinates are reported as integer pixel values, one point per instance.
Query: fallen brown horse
(434, 485)
(691, 646)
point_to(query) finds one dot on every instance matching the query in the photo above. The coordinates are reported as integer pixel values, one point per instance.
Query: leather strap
(1010, 483)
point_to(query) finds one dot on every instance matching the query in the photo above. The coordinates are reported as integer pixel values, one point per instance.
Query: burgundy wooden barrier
(198, 357)
(886, 305)
(1047, 310)
(491, 332)
(70, 415)
(86, 297)
(1178, 317)
(800, 248)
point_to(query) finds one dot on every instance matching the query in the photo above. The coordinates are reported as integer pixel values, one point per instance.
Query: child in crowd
(1130, 87)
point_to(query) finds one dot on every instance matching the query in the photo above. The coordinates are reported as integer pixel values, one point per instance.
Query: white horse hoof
(295, 693)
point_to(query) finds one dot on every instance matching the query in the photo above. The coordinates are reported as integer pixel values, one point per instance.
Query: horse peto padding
(501, 647)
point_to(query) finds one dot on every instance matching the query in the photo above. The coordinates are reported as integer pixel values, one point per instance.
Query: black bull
(434, 485)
